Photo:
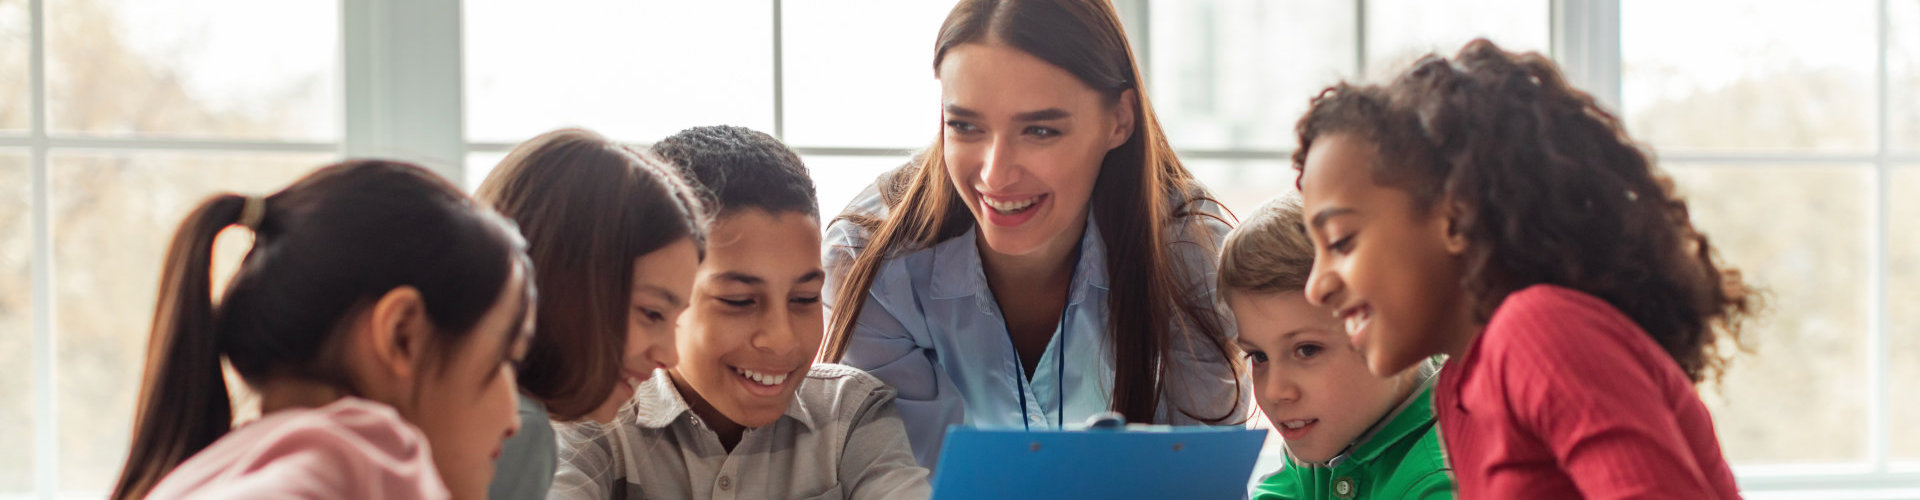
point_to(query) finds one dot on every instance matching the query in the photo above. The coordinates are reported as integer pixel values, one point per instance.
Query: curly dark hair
(738, 168)
(1550, 189)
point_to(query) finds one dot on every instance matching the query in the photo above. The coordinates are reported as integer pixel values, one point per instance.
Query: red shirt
(1562, 396)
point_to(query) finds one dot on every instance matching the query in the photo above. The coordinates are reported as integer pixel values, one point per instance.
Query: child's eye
(651, 315)
(961, 127)
(805, 301)
(1255, 357)
(1308, 351)
(737, 303)
(1043, 132)
(1342, 246)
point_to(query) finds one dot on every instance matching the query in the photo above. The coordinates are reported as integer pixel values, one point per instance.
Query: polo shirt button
(725, 483)
(1344, 487)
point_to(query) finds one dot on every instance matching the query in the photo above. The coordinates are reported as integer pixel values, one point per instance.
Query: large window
(1794, 128)
(1785, 124)
(116, 118)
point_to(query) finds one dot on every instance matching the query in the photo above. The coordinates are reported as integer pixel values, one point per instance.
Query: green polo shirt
(1402, 459)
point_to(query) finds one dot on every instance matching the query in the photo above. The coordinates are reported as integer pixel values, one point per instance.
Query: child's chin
(758, 417)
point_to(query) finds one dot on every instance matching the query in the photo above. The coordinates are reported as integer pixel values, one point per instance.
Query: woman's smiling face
(1023, 144)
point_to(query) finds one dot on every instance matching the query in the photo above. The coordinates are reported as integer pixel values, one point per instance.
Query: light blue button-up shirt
(932, 329)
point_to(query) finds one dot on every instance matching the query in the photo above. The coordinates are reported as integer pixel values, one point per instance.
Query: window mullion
(779, 73)
(1586, 43)
(46, 421)
(1878, 343)
(402, 91)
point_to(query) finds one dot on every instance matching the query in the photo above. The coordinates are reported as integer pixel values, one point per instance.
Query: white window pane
(16, 322)
(194, 68)
(1903, 73)
(14, 42)
(1400, 31)
(115, 214)
(633, 70)
(836, 179)
(479, 166)
(1903, 312)
(1800, 234)
(859, 73)
(1237, 73)
(1749, 75)
(1242, 185)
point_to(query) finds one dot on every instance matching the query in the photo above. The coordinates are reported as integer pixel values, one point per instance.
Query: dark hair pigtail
(183, 397)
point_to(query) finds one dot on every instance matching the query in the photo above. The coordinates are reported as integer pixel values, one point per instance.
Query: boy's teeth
(1295, 424)
(762, 378)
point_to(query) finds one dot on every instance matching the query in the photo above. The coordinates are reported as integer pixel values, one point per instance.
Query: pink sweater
(351, 448)
(1563, 396)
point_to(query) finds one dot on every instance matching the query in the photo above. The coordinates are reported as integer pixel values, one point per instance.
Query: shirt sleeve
(1597, 404)
(526, 465)
(877, 463)
(1436, 485)
(341, 451)
(588, 462)
(1206, 384)
(884, 346)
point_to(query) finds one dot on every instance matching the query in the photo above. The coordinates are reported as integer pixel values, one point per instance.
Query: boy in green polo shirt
(1349, 434)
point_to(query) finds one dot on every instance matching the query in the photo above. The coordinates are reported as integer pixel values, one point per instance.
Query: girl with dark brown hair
(376, 316)
(615, 237)
(1047, 258)
(1482, 208)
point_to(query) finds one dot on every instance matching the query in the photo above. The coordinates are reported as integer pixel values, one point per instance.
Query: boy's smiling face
(755, 320)
(1313, 385)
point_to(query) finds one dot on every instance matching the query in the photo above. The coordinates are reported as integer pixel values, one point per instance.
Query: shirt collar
(1458, 370)
(656, 404)
(957, 272)
(1412, 417)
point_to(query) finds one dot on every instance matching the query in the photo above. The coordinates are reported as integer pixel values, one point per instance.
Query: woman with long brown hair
(1047, 258)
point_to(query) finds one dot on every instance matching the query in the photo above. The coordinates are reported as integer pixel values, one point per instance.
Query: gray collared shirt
(841, 437)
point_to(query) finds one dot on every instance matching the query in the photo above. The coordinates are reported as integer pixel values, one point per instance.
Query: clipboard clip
(1107, 421)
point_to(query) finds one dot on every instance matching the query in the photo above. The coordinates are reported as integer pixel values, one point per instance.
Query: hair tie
(252, 214)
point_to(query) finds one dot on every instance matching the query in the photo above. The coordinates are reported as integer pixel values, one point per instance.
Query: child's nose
(664, 352)
(776, 333)
(1279, 389)
(1322, 286)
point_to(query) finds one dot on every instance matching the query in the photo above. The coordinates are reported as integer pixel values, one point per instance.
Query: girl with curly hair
(1483, 208)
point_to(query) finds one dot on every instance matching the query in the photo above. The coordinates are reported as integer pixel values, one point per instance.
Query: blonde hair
(1270, 251)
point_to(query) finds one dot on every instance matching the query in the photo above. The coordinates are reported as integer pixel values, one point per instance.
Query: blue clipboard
(1163, 462)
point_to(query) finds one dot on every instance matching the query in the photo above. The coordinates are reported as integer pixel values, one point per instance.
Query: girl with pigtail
(377, 316)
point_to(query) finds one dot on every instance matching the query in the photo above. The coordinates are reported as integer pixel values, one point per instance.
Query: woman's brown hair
(323, 248)
(1134, 202)
(1550, 189)
(588, 207)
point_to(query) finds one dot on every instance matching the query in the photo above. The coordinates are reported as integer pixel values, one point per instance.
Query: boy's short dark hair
(739, 168)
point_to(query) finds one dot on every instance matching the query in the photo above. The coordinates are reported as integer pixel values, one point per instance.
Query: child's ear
(1455, 214)
(399, 330)
(1124, 111)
